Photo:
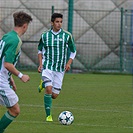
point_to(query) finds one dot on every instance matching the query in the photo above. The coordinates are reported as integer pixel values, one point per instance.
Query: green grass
(101, 103)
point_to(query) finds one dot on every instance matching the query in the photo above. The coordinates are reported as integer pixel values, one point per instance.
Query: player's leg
(54, 95)
(47, 78)
(48, 103)
(9, 99)
(57, 84)
(8, 117)
(15, 110)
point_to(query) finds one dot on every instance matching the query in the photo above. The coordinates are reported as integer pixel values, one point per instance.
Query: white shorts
(54, 79)
(8, 97)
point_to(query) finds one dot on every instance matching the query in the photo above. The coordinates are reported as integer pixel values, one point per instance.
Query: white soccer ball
(66, 118)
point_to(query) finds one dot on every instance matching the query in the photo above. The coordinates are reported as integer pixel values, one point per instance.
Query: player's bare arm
(68, 65)
(10, 67)
(40, 63)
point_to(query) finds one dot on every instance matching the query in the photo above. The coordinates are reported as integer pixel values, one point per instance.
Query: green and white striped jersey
(55, 49)
(10, 47)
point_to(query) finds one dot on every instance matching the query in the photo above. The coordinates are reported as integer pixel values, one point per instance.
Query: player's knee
(55, 92)
(15, 111)
(54, 96)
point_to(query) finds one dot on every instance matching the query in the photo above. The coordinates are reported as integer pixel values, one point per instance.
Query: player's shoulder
(43, 35)
(66, 32)
(11, 37)
(46, 31)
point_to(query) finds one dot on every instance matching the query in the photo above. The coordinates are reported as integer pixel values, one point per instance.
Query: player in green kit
(10, 48)
(52, 48)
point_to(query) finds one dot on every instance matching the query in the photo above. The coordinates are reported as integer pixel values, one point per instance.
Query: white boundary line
(41, 106)
(79, 124)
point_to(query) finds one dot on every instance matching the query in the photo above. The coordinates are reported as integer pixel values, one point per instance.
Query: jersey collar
(55, 33)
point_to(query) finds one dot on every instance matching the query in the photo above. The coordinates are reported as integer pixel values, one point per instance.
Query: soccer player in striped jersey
(55, 43)
(10, 48)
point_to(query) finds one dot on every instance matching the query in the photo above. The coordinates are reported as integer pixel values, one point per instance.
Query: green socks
(47, 103)
(5, 121)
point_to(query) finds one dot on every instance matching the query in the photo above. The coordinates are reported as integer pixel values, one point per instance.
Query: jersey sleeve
(72, 55)
(40, 45)
(71, 44)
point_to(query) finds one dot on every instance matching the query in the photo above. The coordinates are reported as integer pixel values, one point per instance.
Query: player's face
(57, 24)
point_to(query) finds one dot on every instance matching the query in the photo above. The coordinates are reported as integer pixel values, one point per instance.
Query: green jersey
(10, 47)
(55, 49)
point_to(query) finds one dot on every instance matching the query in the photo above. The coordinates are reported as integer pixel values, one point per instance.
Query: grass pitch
(100, 103)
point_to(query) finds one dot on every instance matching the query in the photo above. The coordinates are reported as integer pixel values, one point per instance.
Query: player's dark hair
(20, 18)
(56, 15)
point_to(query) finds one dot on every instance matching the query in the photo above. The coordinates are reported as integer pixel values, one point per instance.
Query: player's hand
(25, 78)
(68, 65)
(40, 68)
(67, 68)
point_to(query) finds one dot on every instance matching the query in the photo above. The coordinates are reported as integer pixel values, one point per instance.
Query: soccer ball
(66, 118)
